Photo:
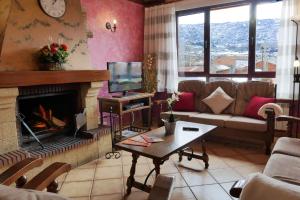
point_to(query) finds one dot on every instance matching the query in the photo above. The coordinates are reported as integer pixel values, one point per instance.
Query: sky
(235, 14)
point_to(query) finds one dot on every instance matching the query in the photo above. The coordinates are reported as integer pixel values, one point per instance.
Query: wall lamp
(111, 27)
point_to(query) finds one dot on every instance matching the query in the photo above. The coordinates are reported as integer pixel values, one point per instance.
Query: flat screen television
(124, 76)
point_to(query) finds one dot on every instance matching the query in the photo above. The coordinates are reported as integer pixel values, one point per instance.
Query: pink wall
(126, 44)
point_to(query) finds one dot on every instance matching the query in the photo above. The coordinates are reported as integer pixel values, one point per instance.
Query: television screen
(125, 76)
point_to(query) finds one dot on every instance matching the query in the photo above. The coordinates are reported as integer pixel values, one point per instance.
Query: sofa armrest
(237, 188)
(270, 129)
(287, 118)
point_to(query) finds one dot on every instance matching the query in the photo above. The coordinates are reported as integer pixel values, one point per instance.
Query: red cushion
(186, 102)
(255, 104)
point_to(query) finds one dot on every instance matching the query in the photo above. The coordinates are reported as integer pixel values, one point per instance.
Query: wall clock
(53, 8)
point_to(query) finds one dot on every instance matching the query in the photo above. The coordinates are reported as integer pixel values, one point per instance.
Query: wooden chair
(45, 179)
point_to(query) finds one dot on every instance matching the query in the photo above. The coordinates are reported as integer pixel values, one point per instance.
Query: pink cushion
(186, 102)
(255, 104)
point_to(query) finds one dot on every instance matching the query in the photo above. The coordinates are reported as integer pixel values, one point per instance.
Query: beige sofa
(280, 178)
(231, 123)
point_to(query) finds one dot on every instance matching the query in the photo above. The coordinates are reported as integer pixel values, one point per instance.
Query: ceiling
(153, 2)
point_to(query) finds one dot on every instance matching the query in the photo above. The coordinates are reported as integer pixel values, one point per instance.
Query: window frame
(252, 40)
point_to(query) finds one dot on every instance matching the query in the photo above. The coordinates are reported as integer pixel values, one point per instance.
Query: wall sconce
(111, 27)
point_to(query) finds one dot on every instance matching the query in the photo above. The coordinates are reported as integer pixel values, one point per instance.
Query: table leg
(157, 164)
(180, 154)
(204, 155)
(130, 179)
(120, 125)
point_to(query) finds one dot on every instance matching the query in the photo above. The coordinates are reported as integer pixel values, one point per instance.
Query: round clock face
(53, 8)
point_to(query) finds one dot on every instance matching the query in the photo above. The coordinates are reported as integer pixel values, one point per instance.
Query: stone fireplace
(48, 111)
(55, 96)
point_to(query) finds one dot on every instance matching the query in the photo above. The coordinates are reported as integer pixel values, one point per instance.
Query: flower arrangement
(150, 74)
(171, 101)
(54, 54)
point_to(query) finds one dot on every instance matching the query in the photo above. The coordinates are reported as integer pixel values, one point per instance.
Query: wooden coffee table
(160, 152)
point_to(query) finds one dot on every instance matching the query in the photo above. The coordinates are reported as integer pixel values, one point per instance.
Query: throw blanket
(277, 109)
(262, 187)
(11, 193)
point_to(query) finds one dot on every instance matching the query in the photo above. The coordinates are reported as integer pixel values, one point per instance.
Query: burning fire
(46, 120)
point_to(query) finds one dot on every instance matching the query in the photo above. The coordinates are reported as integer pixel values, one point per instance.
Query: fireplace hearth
(46, 113)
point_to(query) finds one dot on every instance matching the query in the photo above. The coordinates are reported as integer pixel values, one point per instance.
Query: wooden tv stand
(117, 106)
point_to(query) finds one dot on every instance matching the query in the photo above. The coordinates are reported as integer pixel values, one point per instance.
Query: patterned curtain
(160, 40)
(286, 50)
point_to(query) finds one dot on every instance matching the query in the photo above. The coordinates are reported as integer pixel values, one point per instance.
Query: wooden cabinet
(123, 105)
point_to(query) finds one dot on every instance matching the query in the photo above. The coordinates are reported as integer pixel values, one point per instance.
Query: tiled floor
(106, 179)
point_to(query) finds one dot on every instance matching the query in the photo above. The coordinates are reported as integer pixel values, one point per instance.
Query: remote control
(190, 129)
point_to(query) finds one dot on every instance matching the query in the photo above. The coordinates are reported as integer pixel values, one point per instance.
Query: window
(267, 26)
(191, 43)
(230, 41)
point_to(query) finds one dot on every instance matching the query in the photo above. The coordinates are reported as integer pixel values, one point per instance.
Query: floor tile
(198, 178)
(224, 151)
(227, 187)
(103, 162)
(225, 175)
(187, 166)
(108, 172)
(179, 180)
(126, 153)
(108, 197)
(210, 192)
(137, 196)
(246, 151)
(109, 186)
(76, 189)
(237, 161)
(127, 160)
(216, 162)
(168, 168)
(80, 175)
(91, 164)
(182, 194)
(259, 159)
(140, 179)
(141, 170)
(246, 170)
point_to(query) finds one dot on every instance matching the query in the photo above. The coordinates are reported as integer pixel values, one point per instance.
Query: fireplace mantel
(31, 78)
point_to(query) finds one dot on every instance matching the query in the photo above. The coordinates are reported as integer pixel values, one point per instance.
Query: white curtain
(160, 40)
(286, 51)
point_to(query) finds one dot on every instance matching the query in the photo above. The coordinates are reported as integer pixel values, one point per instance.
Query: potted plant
(53, 56)
(170, 123)
(150, 74)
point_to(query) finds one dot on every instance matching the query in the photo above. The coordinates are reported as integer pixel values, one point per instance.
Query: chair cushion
(255, 104)
(283, 167)
(211, 119)
(287, 146)
(218, 100)
(186, 102)
(246, 123)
